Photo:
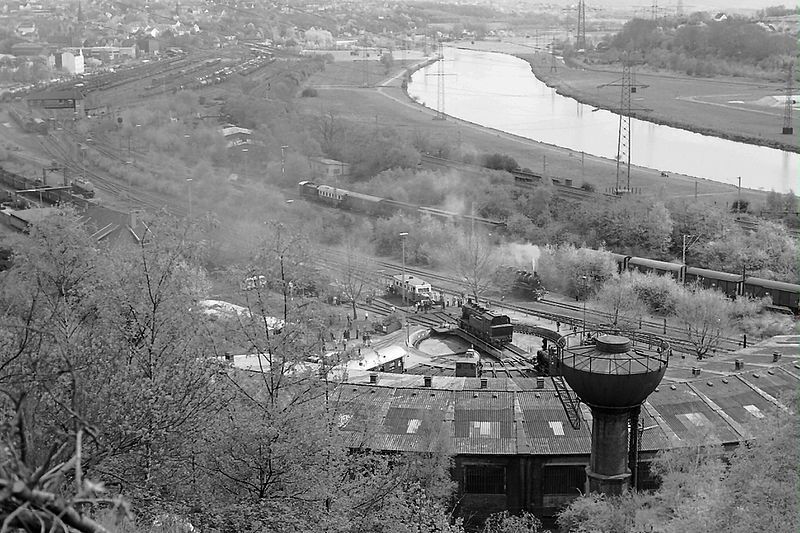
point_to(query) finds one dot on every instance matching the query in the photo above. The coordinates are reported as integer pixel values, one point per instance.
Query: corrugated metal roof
(362, 408)
(776, 382)
(412, 411)
(688, 415)
(652, 437)
(494, 384)
(484, 423)
(736, 399)
(547, 428)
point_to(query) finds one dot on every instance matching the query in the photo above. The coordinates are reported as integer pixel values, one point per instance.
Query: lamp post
(403, 236)
(583, 284)
(283, 160)
(133, 157)
(245, 151)
(189, 185)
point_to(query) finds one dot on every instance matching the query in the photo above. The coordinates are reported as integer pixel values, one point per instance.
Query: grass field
(389, 105)
(742, 109)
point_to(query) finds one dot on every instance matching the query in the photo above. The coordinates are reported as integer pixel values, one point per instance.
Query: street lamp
(245, 151)
(189, 185)
(583, 284)
(403, 236)
(283, 160)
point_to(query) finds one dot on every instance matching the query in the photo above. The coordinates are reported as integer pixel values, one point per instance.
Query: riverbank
(387, 104)
(738, 109)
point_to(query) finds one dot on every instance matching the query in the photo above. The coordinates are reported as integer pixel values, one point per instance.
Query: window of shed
(484, 479)
(564, 479)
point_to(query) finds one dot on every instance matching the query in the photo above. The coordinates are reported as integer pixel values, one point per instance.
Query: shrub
(659, 293)
(309, 92)
(499, 162)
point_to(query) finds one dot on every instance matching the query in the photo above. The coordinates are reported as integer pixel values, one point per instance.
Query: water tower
(613, 376)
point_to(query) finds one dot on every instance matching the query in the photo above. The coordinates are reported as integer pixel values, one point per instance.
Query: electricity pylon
(627, 86)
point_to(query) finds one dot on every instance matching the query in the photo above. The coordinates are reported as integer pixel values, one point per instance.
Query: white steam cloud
(521, 255)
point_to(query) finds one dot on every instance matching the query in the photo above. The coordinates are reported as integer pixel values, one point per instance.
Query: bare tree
(704, 315)
(353, 274)
(472, 257)
(619, 299)
(330, 128)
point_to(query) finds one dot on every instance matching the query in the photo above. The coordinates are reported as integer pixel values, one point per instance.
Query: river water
(500, 91)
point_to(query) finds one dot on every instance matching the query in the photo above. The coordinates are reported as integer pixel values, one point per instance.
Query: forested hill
(703, 46)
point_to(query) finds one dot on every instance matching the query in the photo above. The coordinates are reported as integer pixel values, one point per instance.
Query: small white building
(322, 167)
(72, 61)
(236, 136)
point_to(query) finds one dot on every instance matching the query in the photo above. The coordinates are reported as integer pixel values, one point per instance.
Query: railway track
(522, 179)
(546, 309)
(529, 180)
(141, 199)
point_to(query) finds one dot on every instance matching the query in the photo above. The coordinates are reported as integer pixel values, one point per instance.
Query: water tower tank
(613, 377)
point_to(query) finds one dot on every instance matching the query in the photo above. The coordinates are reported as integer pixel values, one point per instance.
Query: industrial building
(514, 445)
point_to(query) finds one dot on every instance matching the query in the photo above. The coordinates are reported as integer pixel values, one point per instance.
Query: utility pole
(739, 195)
(365, 70)
(788, 129)
(189, 185)
(584, 279)
(403, 236)
(283, 160)
(686, 246)
(683, 254)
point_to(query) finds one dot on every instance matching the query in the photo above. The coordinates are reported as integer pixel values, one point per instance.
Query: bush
(499, 162)
(659, 293)
(588, 187)
(309, 92)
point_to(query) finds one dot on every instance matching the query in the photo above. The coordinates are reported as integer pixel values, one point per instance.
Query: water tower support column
(608, 469)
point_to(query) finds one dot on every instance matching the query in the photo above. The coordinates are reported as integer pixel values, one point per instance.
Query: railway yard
(67, 152)
(67, 148)
(554, 312)
(258, 285)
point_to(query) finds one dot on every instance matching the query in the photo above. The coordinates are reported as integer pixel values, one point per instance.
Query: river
(500, 91)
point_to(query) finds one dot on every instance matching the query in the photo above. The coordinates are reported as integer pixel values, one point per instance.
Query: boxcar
(782, 294)
(361, 203)
(660, 267)
(711, 279)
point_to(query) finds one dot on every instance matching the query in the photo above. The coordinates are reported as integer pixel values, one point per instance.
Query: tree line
(119, 411)
(702, 46)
